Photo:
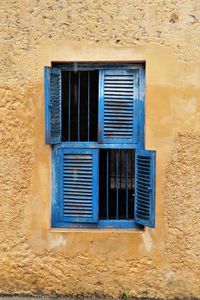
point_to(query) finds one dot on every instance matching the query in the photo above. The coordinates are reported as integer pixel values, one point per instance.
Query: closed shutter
(118, 106)
(145, 187)
(53, 103)
(78, 185)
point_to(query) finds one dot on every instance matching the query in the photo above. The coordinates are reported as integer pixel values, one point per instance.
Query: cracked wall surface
(35, 259)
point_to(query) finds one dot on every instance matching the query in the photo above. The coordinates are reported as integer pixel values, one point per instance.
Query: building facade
(163, 262)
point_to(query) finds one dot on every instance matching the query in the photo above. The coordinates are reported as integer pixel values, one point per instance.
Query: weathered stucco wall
(163, 262)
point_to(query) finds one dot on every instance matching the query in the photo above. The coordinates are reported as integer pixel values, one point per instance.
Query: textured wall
(163, 262)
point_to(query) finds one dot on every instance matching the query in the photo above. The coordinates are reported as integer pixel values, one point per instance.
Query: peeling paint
(147, 239)
(56, 242)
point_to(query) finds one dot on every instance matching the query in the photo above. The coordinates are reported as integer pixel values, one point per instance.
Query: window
(102, 174)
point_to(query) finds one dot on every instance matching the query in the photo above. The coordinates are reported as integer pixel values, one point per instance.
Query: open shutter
(145, 187)
(118, 106)
(79, 185)
(53, 102)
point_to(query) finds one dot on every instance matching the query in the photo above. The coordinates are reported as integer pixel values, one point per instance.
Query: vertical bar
(107, 184)
(88, 105)
(131, 171)
(120, 174)
(132, 162)
(69, 104)
(79, 106)
(120, 169)
(126, 168)
(117, 184)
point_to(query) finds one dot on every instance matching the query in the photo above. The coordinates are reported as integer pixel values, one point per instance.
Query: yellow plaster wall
(34, 259)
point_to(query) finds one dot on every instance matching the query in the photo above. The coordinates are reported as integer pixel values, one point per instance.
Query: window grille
(116, 186)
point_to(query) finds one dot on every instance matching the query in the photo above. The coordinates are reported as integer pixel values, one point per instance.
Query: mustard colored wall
(35, 259)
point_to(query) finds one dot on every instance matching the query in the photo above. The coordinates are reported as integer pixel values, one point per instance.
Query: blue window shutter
(53, 103)
(57, 185)
(76, 187)
(145, 171)
(118, 106)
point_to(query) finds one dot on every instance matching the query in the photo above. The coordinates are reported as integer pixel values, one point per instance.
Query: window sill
(102, 225)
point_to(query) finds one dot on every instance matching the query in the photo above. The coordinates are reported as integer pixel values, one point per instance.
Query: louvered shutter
(53, 102)
(118, 106)
(145, 187)
(79, 185)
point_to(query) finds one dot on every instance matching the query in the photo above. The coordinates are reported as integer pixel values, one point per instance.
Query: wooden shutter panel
(53, 103)
(76, 185)
(118, 106)
(145, 187)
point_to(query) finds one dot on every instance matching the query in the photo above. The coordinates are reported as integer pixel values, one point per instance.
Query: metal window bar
(69, 105)
(107, 185)
(116, 185)
(79, 106)
(88, 116)
(126, 171)
(78, 119)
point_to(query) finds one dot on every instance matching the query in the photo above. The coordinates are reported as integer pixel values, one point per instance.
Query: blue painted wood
(88, 66)
(145, 176)
(141, 108)
(57, 205)
(120, 224)
(101, 108)
(57, 186)
(95, 145)
(118, 106)
(102, 224)
(53, 103)
(75, 185)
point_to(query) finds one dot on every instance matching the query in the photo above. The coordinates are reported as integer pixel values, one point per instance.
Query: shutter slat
(114, 106)
(120, 76)
(53, 103)
(119, 83)
(123, 126)
(118, 98)
(83, 181)
(78, 202)
(118, 114)
(118, 95)
(144, 207)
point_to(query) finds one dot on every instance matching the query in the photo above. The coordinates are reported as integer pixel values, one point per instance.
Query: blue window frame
(102, 175)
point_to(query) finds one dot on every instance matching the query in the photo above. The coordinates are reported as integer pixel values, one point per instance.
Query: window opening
(116, 186)
(79, 105)
(116, 189)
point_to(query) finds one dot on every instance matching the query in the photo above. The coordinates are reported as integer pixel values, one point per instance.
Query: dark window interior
(116, 186)
(79, 105)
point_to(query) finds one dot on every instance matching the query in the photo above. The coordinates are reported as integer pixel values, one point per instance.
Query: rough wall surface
(34, 259)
